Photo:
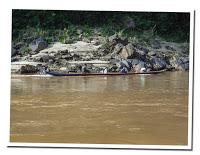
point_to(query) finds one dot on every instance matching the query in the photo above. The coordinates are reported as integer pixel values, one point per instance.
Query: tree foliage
(169, 25)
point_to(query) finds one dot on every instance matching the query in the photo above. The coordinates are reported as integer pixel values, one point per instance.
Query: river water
(135, 109)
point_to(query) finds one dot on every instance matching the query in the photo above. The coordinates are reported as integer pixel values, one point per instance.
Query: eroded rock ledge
(115, 54)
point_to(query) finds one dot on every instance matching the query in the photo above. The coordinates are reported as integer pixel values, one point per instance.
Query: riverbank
(115, 53)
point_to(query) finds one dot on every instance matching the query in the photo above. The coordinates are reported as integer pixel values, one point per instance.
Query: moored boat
(101, 74)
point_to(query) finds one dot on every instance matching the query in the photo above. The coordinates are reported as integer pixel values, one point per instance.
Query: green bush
(63, 25)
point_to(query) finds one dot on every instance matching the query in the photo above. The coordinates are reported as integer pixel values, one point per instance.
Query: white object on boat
(105, 71)
(142, 70)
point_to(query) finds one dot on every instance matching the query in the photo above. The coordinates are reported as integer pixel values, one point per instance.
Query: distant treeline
(169, 25)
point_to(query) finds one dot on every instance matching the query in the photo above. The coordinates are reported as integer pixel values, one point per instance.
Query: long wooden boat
(101, 74)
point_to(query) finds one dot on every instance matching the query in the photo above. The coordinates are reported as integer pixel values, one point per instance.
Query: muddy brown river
(135, 109)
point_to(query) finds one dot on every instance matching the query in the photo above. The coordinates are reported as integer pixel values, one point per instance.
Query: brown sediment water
(135, 109)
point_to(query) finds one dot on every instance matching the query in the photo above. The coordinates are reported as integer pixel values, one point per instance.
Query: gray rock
(127, 51)
(116, 56)
(64, 52)
(152, 53)
(62, 62)
(95, 41)
(130, 49)
(114, 61)
(124, 70)
(43, 58)
(67, 57)
(141, 48)
(183, 63)
(51, 61)
(124, 64)
(28, 69)
(158, 63)
(141, 52)
(38, 45)
(127, 64)
(13, 59)
(173, 62)
(87, 58)
(148, 65)
(134, 61)
(124, 53)
(113, 38)
(113, 68)
(184, 67)
(118, 48)
(137, 67)
(105, 58)
(184, 59)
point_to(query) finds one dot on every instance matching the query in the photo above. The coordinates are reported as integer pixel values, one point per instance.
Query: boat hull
(100, 74)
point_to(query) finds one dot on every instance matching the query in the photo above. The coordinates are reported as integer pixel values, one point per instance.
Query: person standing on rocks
(84, 69)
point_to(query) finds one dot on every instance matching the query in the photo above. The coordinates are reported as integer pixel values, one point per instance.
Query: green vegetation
(66, 26)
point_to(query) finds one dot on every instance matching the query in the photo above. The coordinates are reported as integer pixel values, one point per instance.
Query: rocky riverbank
(115, 54)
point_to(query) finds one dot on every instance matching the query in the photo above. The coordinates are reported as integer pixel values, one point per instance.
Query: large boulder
(62, 62)
(141, 54)
(141, 48)
(28, 69)
(127, 51)
(77, 51)
(180, 63)
(130, 51)
(136, 67)
(38, 45)
(134, 61)
(118, 48)
(79, 47)
(127, 64)
(114, 61)
(158, 63)
(113, 67)
(45, 58)
(116, 56)
(183, 63)
(41, 57)
(183, 66)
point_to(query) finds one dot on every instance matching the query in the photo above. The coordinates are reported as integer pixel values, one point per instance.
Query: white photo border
(188, 147)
